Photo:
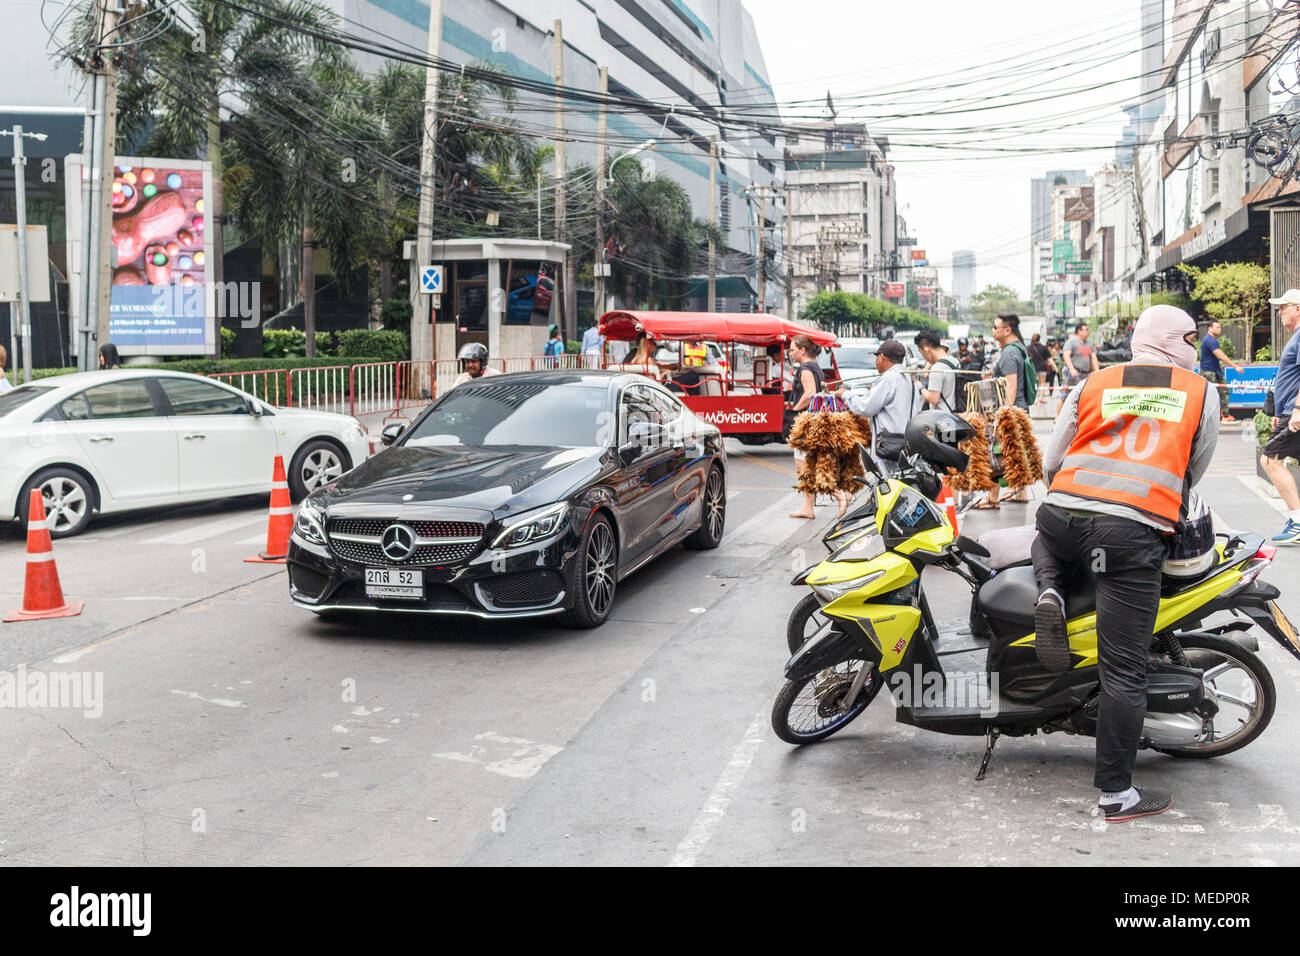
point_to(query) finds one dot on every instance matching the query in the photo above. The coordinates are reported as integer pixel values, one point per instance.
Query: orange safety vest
(694, 353)
(1136, 425)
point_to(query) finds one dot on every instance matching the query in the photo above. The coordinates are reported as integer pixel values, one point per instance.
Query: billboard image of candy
(162, 269)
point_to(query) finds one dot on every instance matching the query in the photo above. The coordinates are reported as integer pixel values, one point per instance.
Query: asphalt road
(238, 729)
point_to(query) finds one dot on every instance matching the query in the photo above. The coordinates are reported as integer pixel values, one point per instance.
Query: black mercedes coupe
(514, 496)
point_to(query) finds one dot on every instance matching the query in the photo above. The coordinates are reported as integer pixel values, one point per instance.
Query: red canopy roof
(754, 328)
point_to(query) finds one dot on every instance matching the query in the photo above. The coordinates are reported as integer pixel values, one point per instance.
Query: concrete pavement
(238, 729)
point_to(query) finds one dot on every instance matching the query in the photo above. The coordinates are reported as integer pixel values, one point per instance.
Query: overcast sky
(892, 65)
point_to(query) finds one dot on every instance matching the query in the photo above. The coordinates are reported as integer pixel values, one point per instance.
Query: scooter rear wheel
(1245, 690)
(808, 710)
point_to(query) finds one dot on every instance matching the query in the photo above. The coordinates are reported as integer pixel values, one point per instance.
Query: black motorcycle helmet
(963, 342)
(934, 435)
(473, 351)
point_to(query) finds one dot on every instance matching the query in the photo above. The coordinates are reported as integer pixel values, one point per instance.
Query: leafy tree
(866, 315)
(173, 83)
(1231, 292)
(997, 299)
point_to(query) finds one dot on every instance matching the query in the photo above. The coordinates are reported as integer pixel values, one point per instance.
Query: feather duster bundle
(978, 475)
(1022, 462)
(830, 440)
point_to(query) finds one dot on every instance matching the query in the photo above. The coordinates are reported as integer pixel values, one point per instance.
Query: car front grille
(460, 540)
(523, 589)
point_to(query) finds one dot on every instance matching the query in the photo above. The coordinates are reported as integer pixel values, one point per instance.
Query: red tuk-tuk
(744, 396)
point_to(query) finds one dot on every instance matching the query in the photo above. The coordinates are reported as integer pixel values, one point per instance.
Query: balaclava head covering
(1159, 337)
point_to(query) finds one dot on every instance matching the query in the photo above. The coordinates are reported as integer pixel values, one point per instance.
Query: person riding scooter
(1128, 446)
(473, 360)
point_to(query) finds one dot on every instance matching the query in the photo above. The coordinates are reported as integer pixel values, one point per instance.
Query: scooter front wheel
(812, 708)
(805, 620)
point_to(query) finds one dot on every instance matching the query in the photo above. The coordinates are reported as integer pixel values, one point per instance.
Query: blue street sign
(1248, 388)
(431, 280)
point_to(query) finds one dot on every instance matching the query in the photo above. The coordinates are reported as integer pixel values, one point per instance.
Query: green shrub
(1264, 353)
(396, 314)
(227, 341)
(389, 344)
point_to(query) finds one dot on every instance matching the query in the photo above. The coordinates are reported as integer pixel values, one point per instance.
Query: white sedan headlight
(533, 526)
(310, 522)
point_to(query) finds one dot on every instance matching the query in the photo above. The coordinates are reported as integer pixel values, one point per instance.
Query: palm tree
(294, 174)
(174, 83)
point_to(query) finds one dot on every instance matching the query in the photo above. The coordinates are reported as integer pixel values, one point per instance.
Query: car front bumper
(531, 581)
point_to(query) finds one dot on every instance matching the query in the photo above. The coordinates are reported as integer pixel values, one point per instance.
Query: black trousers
(1126, 557)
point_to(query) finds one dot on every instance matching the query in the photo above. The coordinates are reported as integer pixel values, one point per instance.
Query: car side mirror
(253, 407)
(629, 453)
(391, 433)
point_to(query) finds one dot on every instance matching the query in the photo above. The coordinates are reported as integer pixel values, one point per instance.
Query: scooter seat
(1012, 594)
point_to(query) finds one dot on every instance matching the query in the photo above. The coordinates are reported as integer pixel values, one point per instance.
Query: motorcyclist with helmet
(969, 363)
(1129, 444)
(473, 358)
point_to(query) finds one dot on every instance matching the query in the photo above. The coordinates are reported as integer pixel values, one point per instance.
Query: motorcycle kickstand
(990, 741)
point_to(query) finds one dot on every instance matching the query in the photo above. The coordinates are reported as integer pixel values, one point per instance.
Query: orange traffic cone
(281, 521)
(950, 505)
(42, 595)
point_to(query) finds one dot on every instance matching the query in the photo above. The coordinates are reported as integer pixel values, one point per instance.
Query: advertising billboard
(162, 296)
(918, 254)
(893, 290)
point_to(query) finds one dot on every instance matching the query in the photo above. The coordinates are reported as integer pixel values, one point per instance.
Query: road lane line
(785, 470)
(715, 807)
(209, 529)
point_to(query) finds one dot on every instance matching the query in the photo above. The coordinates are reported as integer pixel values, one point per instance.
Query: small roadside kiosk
(742, 390)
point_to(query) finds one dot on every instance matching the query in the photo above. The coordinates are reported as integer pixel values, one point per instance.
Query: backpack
(959, 384)
(1031, 375)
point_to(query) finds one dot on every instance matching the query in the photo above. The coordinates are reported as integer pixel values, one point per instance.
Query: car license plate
(394, 583)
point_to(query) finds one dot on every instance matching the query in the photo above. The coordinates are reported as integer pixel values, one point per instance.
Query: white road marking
(515, 757)
(219, 701)
(255, 539)
(1253, 483)
(715, 807)
(731, 493)
(209, 529)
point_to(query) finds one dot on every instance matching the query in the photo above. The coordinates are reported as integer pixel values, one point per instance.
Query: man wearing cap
(890, 403)
(1285, 442)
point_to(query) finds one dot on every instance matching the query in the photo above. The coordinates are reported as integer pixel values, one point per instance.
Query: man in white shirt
(5, 385)
(890, 403)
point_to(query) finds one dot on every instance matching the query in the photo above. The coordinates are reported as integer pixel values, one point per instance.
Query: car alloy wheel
(66, 503)
(600, 569)
(715, 505)
(320, 468)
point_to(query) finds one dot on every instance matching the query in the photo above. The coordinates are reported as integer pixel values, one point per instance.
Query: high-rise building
(842, 218)
(963, 276)
(1040, 205)
(705, 56)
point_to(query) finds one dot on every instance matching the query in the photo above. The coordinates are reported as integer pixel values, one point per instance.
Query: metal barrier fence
(270, 385)
(326, 389)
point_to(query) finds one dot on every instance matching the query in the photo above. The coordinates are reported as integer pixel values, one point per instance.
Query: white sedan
(123, 439)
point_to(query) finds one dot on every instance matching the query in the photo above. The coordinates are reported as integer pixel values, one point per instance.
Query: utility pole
(99, 272)
(423, 334)
(600, 195)
(569, 298)
(713, 221)
(20, 314)
(789, 258)
(762, 248)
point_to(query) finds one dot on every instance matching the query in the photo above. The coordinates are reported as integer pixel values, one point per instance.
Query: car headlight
(533, 526)
(834, 591)
(310, 522)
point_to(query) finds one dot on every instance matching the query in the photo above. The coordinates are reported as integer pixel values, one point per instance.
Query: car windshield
(860, 357)
(20, 396)
(570, 415)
